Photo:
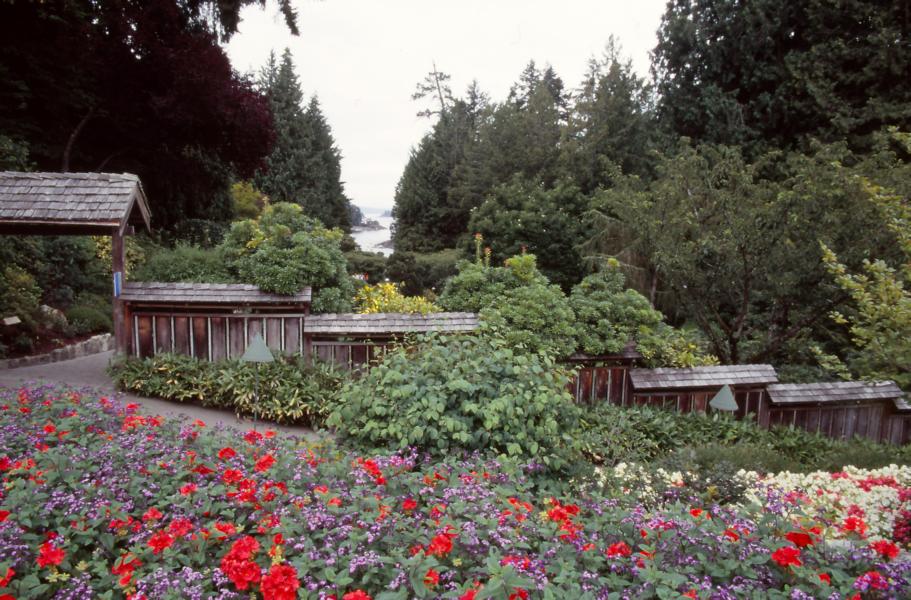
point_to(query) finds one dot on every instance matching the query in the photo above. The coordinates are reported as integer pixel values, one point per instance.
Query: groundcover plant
(101, 501)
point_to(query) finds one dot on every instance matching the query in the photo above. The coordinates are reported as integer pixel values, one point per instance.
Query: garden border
(94, 345)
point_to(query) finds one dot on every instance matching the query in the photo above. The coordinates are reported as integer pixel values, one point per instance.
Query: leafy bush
(609, 316)
(535, 317)
(371, 264)
(420, 272)
(184, 264)
(613, 434)
(84, 318)
(284, 251)
(477, 285)
(463, 393)
(289, 390)
(20, 296)
(386, 297)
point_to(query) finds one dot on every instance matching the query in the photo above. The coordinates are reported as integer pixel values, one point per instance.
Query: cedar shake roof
(389, 323)
(150, 292)
(71, 203)
(839, 391)
(702, 377)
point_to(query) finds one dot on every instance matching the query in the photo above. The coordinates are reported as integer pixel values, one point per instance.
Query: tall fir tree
(305, 164)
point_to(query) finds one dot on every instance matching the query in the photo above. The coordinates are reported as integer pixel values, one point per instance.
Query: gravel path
(89, 372)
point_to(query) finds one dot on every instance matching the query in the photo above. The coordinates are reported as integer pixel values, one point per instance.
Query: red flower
(885, 549)
(787, 556)
(49, 428)
(873, 580)
(49, 555)
(431, 578)
(253, 436)
(4, 581)
(232, 476)
(125, 569)
(226, 528)
(357, 595)
(855, 524)
(226, 453)
(825, 578)
(619, 549)
(518, 594)
(264, 463)
(799, 539)
(731, 535)
(188, 489)
(153, 514)
(3, 515)
(237, 563)
(409, 504)
(690, 594)
(159, 541)
(440, 545)
(696, 512)
(181, 527)
(280, 583)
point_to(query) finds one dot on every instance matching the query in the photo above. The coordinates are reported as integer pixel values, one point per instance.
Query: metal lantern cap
(257, 351)
(724, 400)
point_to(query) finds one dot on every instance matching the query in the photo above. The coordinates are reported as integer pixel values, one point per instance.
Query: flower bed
(98, 498)
(870, 504)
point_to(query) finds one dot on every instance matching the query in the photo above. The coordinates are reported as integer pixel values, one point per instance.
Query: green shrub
(536, 318)
(371, 264)
(610, 316)
(463, 393)
(89, 319)
(419, 272)
(477, 285)
(184, 263)
(612, 434)
(289, 391)
(20, 296)
(284, 251)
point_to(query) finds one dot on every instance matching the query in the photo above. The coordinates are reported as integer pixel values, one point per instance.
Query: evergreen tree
(612, 124)
(774, 72)
(305, 165)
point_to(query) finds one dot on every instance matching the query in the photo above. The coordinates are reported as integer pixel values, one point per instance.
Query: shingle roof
(702, 377)
(141, 292)
(839, 391)
(87, 200)
(389, 323)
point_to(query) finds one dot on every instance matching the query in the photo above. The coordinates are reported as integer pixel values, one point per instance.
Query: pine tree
(305, 165)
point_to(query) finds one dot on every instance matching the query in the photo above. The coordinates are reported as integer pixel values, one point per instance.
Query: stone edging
(93, 345)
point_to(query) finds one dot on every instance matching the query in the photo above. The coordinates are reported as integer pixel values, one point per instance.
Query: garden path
(89, 372)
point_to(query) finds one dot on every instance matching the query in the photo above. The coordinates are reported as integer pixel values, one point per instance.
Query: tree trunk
(68, 150)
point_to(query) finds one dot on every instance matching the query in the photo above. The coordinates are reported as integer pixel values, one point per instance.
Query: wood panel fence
(217, 336)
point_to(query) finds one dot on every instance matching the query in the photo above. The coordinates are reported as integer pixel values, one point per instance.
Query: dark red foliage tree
(138, 86)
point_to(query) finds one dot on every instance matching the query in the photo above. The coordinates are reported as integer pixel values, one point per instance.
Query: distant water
(369, 239)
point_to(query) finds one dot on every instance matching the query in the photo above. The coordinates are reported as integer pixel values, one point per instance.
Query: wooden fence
(218, 336)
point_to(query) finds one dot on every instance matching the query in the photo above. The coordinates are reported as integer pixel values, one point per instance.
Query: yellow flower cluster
(386, 298)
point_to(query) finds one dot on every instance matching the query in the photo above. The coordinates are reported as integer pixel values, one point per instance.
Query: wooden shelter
(843, 409)
(211, 321)
(77, 204)
(691, 389)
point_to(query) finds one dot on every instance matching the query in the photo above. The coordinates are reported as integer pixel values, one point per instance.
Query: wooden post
(117, 267)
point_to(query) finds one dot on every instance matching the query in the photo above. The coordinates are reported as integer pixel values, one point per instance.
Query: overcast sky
(364, 57)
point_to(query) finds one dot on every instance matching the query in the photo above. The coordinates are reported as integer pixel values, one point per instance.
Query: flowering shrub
(386, 297)
(99, 500)
(853, 503)
(876, 496)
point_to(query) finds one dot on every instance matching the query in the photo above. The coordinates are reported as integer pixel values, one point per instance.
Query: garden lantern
(257, 352)
(724, 400)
